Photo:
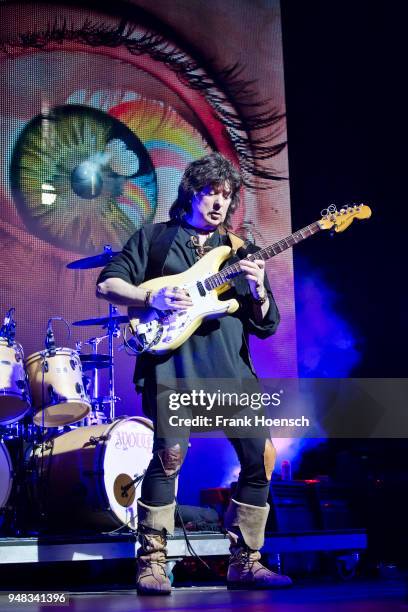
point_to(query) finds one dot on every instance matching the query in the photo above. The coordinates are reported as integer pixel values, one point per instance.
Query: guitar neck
(222, 277)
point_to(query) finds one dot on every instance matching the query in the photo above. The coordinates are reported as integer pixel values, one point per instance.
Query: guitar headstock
(339, 220)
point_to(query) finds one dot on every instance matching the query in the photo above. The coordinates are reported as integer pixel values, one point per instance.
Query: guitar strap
(160, 237)
(236, 242)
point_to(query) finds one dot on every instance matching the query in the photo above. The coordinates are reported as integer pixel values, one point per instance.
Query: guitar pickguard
(160, 332)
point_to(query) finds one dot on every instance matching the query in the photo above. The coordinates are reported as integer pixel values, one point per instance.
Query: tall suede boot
(246, 529)
(154, 523)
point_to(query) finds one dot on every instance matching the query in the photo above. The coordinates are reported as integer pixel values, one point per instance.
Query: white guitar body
(160, 332)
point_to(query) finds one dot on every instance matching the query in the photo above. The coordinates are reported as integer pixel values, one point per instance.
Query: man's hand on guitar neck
(254, 272)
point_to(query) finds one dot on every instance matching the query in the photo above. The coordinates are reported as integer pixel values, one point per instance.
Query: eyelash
(251, 150)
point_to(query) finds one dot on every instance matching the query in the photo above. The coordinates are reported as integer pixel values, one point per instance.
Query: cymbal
(95, 361)
(96, 261)
(102, 320)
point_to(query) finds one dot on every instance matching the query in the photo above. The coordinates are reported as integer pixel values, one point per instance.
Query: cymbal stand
(113, 332)
(93, 342)
(112, 326)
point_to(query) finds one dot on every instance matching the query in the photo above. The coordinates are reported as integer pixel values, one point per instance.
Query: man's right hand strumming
(169, 298)
(121, 293)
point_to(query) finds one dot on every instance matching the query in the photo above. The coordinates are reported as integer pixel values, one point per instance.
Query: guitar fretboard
(218, 279)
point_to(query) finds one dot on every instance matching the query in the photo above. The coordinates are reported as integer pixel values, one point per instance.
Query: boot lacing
(250, 559)
(149, 549)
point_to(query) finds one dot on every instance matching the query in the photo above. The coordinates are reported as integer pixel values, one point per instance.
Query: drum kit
(62, 448)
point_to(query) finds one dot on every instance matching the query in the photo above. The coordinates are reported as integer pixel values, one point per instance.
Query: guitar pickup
(201, 289)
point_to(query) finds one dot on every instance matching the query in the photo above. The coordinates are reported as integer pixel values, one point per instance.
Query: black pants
(158, 486)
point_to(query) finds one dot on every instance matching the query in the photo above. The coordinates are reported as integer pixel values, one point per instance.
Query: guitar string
(225, 275)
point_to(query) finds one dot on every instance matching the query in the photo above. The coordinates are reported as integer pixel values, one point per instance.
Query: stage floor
(17, 550)
(310, 596)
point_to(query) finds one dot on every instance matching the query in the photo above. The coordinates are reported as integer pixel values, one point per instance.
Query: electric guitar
(159, 332)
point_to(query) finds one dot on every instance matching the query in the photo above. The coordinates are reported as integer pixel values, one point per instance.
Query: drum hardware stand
(95, 402)
(15, 512)
(113, 332)
(42, 475)
(8, 329)
(112, 322)
(94, 342)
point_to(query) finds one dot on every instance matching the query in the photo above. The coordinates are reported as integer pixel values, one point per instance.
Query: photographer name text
(247, 421)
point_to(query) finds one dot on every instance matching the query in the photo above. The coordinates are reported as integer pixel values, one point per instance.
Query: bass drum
(6, 478)
(85, 478)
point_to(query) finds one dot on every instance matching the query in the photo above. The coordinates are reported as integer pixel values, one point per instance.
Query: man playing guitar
(208, 195)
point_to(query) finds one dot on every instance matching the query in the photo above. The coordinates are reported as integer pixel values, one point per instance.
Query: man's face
(210, 205)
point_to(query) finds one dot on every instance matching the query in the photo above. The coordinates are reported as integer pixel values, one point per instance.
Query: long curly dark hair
(212, 170)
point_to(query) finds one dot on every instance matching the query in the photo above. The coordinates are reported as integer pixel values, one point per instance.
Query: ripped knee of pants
(269, 458)
(171, 459)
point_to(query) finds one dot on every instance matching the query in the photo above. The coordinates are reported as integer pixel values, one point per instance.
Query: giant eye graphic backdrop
(100, 113)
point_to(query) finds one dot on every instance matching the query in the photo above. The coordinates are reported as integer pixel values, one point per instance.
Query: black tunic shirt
(219, 348)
